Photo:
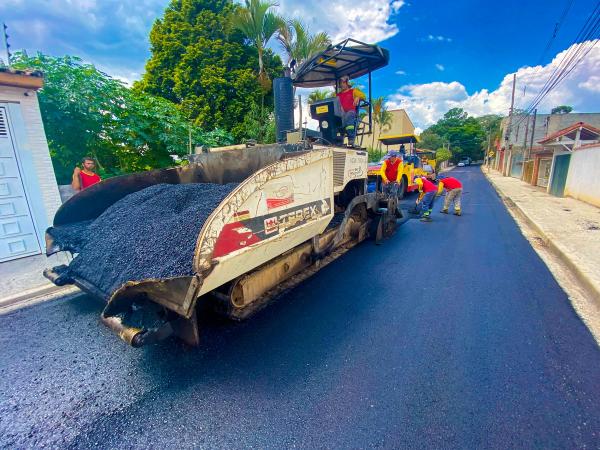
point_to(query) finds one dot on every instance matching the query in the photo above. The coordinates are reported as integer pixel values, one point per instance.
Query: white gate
(17, 231)
(544, 172)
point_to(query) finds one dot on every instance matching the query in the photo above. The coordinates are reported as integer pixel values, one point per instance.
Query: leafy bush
(86, 112)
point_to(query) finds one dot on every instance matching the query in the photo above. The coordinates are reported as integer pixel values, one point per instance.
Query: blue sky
(443, 53)
(476, 42)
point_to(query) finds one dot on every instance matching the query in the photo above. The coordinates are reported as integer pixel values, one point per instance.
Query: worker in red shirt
(85, 176)
(391, 174)
(453, 189)
(349, 99)
(427, 194)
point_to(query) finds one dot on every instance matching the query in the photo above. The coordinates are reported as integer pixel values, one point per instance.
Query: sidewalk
(22, 279)
(571, 228)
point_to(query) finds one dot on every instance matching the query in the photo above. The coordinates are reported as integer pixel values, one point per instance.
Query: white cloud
(440, 67)
(397, 4)
(113, 34)
(368, 20)
(400, 72)
(438, 38)
(426, 103)
(591, 84)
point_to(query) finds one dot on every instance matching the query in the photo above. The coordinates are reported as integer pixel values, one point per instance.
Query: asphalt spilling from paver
(150, 234)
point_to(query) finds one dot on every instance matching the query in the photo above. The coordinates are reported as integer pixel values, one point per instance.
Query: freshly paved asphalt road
(451, 335)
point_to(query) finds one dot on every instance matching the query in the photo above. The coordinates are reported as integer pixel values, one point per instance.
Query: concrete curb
(29, 296)
(588, 284)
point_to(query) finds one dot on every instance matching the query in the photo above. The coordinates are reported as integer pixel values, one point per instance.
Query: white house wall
(33, 155)
(583, 180)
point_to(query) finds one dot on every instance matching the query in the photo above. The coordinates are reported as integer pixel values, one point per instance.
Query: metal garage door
(17, 232)
(559, 175)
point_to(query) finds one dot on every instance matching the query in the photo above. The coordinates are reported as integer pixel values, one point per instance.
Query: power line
(557, 26)
(568, 57)
(583, 43)
(572, 52)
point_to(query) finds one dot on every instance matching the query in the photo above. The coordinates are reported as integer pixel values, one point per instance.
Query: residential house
(521, 155)
(575, 164)
(29, 195)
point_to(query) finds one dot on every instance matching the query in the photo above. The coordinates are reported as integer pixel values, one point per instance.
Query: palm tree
(382, 117)
(385, 122)
(319, 94)
(259, 24)
(377, 106)
(298, 43)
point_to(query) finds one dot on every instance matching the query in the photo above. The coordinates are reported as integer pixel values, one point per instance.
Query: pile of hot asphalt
(149, 234)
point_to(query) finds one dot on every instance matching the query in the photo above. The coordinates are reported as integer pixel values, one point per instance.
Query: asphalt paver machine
(288, 211)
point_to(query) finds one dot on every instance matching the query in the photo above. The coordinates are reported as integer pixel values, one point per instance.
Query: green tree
(206, 66)
(429, 140)
(298, 43)
(86, 112)
(259, 125)
(562, 109)
(490, 124)
(383, 118)
(442, 154)
(259, 24)
(465, 134)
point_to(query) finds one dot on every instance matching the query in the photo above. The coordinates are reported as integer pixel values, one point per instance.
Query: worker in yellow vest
(391, 174)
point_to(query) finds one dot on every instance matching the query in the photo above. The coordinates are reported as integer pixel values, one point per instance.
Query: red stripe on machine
(273, 203)
(234, 236)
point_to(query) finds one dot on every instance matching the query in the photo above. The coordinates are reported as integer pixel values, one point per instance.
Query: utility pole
(489, 149)
(6, 44)
(508, 127)
(300, 117)
(532, 133)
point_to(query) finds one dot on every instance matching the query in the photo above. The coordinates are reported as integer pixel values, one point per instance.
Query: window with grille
(3, 124)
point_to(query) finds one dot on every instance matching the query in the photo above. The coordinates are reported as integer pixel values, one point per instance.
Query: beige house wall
(401, 124)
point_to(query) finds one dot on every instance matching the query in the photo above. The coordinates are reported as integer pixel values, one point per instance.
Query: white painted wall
(583, 180)
(33, 153)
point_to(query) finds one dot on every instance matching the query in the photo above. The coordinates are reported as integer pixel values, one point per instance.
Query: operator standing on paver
(349, 99)
(391, 174)
(427, 193)
(453, 193)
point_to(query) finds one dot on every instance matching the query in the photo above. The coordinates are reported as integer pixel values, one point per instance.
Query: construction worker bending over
(349, 99)
(391, 174)
(453, 193)
(427, 194)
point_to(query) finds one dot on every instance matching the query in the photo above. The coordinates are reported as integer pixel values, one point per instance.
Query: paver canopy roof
(349, 57)
(399, 139)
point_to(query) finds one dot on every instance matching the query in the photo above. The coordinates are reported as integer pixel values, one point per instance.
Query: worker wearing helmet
(453, 189)
(349, 99)
(427, 194)
(391, 174)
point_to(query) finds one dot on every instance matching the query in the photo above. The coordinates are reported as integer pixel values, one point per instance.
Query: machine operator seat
(328, 113)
